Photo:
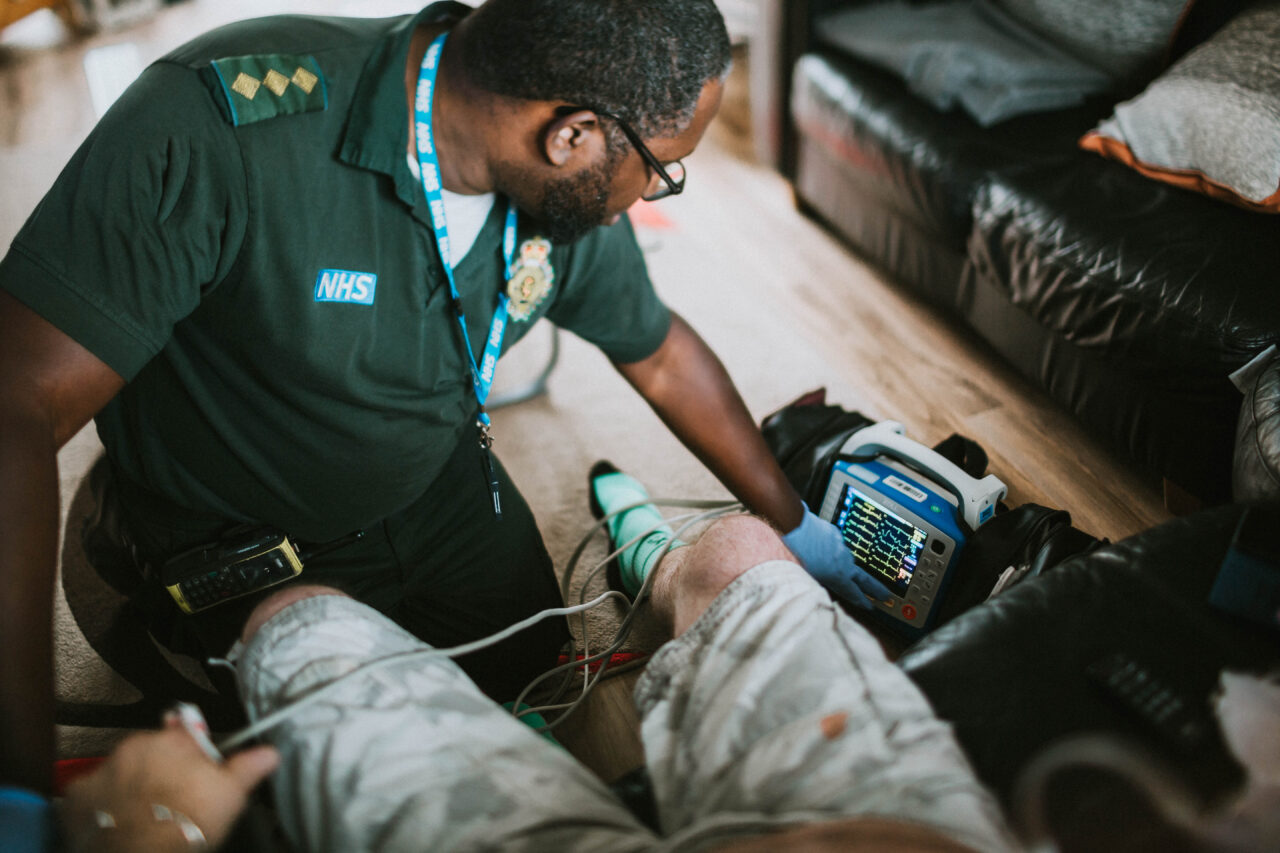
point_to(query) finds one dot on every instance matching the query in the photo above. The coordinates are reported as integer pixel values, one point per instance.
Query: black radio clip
(245, 561)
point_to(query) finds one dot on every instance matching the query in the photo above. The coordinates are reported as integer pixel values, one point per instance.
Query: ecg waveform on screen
(880, 542)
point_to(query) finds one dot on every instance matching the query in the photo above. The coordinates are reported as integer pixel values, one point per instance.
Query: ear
(572, 134)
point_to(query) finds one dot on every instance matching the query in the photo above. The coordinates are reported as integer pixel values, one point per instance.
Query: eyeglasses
(672, 175)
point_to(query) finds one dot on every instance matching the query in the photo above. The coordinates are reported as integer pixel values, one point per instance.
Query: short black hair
(645, 61)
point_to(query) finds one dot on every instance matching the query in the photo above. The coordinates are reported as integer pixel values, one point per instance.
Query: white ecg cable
(281, 714)
(712, 509)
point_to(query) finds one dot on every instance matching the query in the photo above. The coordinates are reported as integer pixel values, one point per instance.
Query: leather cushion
(1177, 283)
(924, 164)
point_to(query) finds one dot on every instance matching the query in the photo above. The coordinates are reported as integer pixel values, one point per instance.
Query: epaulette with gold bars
(267, 85)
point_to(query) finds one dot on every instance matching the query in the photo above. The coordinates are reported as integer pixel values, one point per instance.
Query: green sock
(614, 491)
(534, 721)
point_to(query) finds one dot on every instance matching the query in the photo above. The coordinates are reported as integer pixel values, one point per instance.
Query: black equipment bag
(1016, 544)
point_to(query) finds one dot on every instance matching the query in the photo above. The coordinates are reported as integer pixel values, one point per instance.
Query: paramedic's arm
(690, 390)
(50, 387)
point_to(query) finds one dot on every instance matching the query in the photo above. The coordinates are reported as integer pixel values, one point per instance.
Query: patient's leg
(411, 757)
(774, 715)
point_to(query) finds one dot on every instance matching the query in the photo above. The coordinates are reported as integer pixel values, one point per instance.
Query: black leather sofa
(1127, 300)
(1024, 672)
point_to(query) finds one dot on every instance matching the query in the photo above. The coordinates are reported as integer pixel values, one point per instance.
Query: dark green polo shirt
(187, 252)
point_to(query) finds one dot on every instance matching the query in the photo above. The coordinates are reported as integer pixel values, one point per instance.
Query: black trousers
(443, 568)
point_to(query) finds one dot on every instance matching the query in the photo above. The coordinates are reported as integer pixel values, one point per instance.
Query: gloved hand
(821, 550)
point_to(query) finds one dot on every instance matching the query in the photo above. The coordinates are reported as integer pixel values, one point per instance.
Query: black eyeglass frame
(671, 185)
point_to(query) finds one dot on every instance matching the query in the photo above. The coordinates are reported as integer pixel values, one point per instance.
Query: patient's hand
(196, 795)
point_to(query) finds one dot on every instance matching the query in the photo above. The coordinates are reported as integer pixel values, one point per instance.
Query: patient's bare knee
(274, 603)
(728, 548)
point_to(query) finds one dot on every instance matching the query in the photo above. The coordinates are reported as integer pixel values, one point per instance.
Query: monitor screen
(883, 543)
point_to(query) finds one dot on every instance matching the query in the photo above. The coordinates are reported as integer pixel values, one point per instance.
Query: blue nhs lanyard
(429, 170)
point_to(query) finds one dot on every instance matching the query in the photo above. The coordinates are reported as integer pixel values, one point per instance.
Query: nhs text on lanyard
(429, 165)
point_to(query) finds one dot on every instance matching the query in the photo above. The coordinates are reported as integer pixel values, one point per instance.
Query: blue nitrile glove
(821, 550)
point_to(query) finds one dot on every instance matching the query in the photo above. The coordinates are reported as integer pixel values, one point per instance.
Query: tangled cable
(711, 510)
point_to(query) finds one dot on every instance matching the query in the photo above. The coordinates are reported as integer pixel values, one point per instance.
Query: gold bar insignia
(276, 82)
(304, 79)
(246, 85)
(238, 80)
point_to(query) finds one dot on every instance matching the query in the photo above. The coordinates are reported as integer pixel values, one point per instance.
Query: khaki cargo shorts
(774, 709)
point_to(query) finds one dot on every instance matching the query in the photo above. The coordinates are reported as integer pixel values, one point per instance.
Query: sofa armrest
(1012, 675)
(1255, 474)
(784, 31)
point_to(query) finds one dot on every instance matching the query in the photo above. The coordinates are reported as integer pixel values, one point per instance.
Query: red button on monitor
(908, 612)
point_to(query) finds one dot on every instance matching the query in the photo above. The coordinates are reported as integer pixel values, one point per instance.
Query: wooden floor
(747, 220)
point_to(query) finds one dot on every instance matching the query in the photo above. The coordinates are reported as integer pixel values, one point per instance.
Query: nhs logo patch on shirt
(346, 286)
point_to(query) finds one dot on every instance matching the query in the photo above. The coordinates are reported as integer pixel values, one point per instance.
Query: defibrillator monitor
(884, 544)
(905, 512)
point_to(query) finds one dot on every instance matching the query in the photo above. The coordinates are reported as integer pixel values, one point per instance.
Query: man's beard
(573, 206)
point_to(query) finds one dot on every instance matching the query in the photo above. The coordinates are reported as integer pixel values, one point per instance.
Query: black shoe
(635, 789)
(613, 572)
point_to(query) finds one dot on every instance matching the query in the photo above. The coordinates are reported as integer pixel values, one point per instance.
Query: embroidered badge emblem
(532, 280)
